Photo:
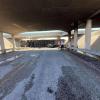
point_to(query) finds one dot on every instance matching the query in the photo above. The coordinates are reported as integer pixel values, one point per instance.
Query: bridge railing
(92, 52)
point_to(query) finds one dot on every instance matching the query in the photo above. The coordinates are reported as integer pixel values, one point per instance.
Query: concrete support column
(69, 39)
(58, 38)
(88, 34)
(3, 50)
(13, 42)
(75, 37)
(18, 43)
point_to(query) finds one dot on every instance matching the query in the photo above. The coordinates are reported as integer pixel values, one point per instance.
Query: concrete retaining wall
(95, 41)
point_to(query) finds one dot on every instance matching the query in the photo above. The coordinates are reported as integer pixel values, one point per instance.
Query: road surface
(48, 75)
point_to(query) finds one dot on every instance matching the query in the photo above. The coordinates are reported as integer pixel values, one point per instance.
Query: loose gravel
(69, 87)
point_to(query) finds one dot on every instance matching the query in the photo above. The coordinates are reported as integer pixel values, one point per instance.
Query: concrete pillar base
(3, 51)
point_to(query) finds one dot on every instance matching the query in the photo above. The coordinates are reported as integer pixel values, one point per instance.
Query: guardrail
(92, 52)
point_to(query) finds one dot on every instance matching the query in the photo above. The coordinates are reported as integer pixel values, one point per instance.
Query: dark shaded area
(69, 87)
(93, 61)
(49, 89)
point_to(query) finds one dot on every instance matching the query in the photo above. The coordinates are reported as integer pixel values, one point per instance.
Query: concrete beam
(94, 14)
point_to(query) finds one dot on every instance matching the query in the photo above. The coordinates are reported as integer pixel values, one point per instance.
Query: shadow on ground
(69, 87)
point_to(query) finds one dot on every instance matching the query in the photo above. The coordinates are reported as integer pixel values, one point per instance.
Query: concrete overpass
(17, 17)
(49, 73)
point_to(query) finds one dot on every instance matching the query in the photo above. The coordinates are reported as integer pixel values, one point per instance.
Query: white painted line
(10, 59)
(34, 55)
